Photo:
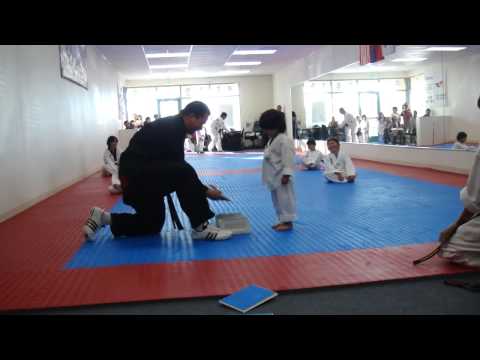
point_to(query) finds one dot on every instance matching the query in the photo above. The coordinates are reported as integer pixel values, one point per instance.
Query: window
(148, 101)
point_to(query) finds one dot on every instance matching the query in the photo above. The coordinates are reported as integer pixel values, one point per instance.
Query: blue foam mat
(379, 210)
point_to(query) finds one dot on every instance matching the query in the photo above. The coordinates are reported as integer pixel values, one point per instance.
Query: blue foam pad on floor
(379, 210)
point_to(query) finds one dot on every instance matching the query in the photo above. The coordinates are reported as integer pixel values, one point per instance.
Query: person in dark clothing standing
(152, 167)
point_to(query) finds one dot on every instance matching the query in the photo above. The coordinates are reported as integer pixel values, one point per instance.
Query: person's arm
(287, 152)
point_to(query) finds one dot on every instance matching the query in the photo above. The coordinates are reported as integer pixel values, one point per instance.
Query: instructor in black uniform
(152, 167)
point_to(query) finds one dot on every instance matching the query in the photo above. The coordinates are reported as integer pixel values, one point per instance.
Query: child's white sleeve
(288, 157)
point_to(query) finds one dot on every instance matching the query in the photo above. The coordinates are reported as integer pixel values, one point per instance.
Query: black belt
(173, 212)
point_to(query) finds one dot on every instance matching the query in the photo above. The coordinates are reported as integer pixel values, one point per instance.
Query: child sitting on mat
(338, 165)
(312, 158)
(278, 167)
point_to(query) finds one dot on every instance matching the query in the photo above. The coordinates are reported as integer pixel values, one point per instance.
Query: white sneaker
(93, 223)
(211, 233)
(115, 189)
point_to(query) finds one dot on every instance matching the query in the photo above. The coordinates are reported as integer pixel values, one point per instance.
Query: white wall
(298, 104)
(52, 131)
(256, 93)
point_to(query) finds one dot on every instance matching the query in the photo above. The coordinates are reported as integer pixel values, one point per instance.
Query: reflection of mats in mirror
(235, 222)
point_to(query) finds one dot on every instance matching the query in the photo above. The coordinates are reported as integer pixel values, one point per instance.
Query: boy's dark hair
(196, 108)
(461, 135)
(111, 139)
(311, 142)
(333, 139)
(478, 102)
(223, 115)
(273, 119)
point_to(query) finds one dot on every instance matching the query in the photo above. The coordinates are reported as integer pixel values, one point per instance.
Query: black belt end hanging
(173, 212)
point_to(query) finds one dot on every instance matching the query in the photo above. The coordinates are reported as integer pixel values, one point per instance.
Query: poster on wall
(435, 93)
(73, 64)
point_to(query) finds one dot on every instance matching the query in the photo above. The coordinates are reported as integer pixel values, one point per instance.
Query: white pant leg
(333, 178)
(218, 142)
(353, 135)
(464, 246)
(113, 170)
(283, 199)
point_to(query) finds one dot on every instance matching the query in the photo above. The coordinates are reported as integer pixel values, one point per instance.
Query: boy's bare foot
(274, 227)
(284, 227)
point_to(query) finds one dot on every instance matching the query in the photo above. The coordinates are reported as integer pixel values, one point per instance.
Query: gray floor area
(425, 296)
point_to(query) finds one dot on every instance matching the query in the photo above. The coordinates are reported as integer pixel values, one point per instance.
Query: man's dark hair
(461, 135)
(333, 139)
(273, 119)
(311, 142)
(478, 103)
(223, 115)
(111, 139)
(196, 108)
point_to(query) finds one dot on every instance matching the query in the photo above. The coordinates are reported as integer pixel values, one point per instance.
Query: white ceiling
(204, 60)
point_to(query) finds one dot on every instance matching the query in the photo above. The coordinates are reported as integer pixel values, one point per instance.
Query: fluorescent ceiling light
(232, 72)
(167, 55)
(446, 48)
(409, 59)
(242, 63)
(171, 66)
(254, 52)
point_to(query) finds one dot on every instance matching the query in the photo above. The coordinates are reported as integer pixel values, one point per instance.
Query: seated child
(312, 158)
(111, 157)
(460, 144)
(338, 165)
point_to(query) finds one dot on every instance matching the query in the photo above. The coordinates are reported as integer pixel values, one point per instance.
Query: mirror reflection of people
(366, 128)
(332, 127)
(359, 132)
(428, 112)
(278, 168)
(279, 108)
(395, 117)
(152, 167)
(312, 158)
(339, 167)
(461, 240)
(407, 117)
(381, 127)
(350, 125)
(111, 158)
(217, 128)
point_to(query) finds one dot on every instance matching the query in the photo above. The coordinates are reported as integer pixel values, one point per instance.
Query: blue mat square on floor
(379, 210)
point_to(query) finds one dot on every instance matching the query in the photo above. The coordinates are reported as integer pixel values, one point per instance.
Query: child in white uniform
(278, 167)
(338, 165)
(312, 158)
(460, 144)
(111, 158)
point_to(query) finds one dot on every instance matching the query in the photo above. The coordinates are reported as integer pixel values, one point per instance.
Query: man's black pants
(146, 183)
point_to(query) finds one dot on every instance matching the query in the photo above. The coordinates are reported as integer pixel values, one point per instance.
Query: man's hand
(446, 234)
(213, 193)
(285, 179)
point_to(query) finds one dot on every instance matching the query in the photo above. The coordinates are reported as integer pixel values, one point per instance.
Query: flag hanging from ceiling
(370, 54)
